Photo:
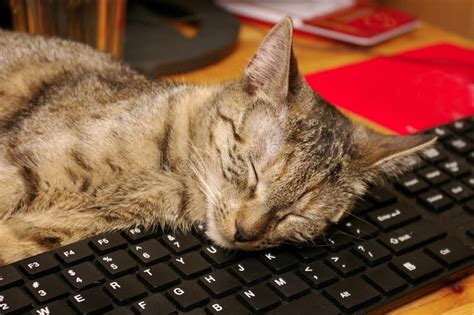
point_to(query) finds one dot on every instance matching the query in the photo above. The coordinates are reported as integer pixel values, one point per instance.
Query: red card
(407, 92)
(363, 20)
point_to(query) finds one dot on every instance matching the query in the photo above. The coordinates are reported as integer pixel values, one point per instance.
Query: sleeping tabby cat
(88, 145)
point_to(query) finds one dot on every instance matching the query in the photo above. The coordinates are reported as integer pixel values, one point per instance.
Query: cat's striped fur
(88, 145)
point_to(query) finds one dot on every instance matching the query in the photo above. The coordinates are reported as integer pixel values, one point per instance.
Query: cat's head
(288, 164)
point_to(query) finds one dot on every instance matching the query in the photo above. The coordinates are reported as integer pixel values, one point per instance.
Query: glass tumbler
(99, 23)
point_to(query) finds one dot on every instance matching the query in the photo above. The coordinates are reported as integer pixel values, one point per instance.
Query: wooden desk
(316, 54)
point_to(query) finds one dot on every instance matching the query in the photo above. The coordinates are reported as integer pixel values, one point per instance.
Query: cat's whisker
(357, 217)
(203, 185)
(204, 166)
(200, 162)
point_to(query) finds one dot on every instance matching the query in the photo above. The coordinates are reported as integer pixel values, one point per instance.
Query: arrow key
(83, 276)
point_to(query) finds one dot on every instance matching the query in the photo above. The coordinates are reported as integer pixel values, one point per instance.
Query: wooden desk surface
(316, 54)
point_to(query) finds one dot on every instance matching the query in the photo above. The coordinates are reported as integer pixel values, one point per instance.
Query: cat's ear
(391, 154)
(273, 70)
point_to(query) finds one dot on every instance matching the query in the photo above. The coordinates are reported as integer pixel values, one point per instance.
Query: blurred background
(455, 16)
(174, 36)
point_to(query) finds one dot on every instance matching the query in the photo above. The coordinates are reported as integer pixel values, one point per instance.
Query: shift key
(411, 236)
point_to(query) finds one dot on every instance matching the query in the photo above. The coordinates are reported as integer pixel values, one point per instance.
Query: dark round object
(154, 46)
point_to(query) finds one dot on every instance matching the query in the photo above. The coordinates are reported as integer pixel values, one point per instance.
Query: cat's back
(33, 53)
(40, 75)
(72, 118)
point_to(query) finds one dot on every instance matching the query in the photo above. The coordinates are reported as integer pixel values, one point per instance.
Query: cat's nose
(242, 235)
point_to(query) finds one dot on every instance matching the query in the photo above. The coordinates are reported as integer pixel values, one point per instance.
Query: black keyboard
(401, 242)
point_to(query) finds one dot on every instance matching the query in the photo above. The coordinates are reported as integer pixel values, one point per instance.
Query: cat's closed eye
(253, 182)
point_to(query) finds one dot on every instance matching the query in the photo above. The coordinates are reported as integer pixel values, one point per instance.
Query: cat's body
(88, 145)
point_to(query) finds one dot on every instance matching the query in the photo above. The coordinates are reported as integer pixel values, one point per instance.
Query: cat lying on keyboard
(88, 145)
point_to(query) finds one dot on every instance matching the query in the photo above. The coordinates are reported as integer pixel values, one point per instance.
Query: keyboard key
(91, 301)
(308, 305)
(117, 263)
(336, 241)
(187, 295)
(352, 293)
(450, 251)
(459, 145)
(441, 132)
(107, 242)
(372, 252)
(317, 274)
(219, 283)
(39, 265)
(411, 184)
(345, 263)
(58, 307)
(457, 191)
(416, 164)
(47, 288)
(180, 243)
(199, 231)
(381, 196)
(394, 216)
(412, 236)
(385, 279)
(153, 305)
(13, 301)
(289, 285)
(469, 181)
(359, 228)
(228, 305)
(158, 277)
(469, 206)
(470, 156)
(469, 136)
(434, 154)
(250, 271)
(362, 206)
(83, 275)
(435, 200)
(190, 264)
(415, 266)
(279, 260)
(259, 298)
(309, 252)
(75, 253)
(460, 126)
(433, 175)
(125, 290)
(149, 252)
(455, 168)
(218, 257)
(9, 276)
(120, 311)
(138, 234)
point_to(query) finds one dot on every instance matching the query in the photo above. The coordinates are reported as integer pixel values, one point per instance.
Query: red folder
(406, 92)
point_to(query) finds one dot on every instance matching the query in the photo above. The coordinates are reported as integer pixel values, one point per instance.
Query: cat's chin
(213, 233)
(217, 237)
